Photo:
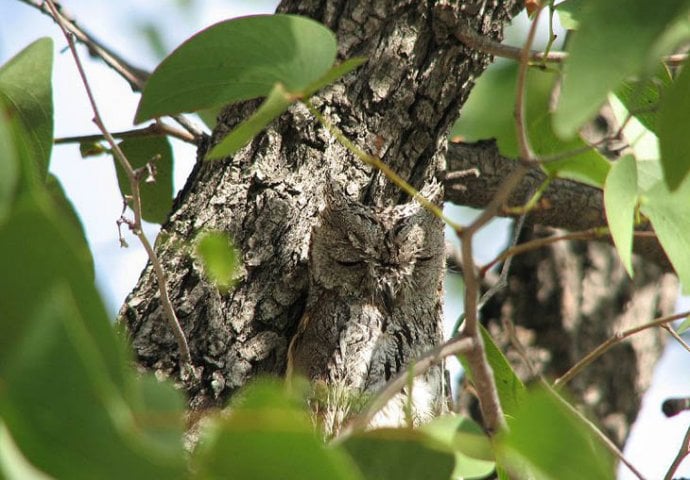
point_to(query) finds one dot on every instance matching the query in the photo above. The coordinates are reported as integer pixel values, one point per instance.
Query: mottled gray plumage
(374, 304)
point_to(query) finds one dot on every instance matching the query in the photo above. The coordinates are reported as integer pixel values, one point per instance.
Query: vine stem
(133, 176)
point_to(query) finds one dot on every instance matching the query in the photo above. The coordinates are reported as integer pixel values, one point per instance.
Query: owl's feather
(374, 304)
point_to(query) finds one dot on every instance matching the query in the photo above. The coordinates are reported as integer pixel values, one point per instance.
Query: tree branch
(565, 204)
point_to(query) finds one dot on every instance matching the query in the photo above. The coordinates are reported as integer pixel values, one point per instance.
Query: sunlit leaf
(554, 442)
(277, 102)
(26, 95)
(669, 213)
(471, 446)
(684, 326)
(612, 42)
(569, 12)
(237, 60)
(620, 199)
(674, 140)
(642, 98)
(496, 88)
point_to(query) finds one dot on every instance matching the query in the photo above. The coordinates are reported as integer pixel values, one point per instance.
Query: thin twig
(454, 346)
(683, 452)
(478, 42)
(133, 177)
(136, 77)
(614, 340)
(589, 234)
(677, 337)
(156, 129)
(482, 375)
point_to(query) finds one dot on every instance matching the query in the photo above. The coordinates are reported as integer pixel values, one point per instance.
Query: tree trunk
(399, 106)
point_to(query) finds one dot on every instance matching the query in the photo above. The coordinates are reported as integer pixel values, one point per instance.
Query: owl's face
(381, 254)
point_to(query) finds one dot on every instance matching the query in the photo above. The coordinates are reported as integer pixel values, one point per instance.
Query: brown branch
(156, 129)
(134, 177)
(565, 204)
(612, 341)
(683, 452)
(482, 374)
(484, 44)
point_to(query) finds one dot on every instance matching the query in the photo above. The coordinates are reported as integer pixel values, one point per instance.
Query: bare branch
(484, 44)
(565, 204)
(186, 358)
(156, 129)
(614, 340)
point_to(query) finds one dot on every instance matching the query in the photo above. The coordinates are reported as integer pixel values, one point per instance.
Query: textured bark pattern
(399, 105)
(570, 298)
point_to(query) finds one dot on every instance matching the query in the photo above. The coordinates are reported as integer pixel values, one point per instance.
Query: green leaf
(265, 436)
(620, 199)
(553, 441)
(41, 248)
(643, 97)
(26, 95)
(156, 195)
(474, 456)
(614, 40)
(238, 60)
(674, 141)
(9, 162)
(54, 321)
(669, 213)
(13, 464)
(496, 87)
(510, 388)
(67, 214)
(569, 13)
(398, 454)
(277, 102)
(220, 258)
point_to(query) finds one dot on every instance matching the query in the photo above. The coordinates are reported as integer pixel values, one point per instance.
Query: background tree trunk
(399, 105)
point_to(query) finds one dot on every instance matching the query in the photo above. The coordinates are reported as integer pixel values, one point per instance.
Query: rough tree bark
(400, 106)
